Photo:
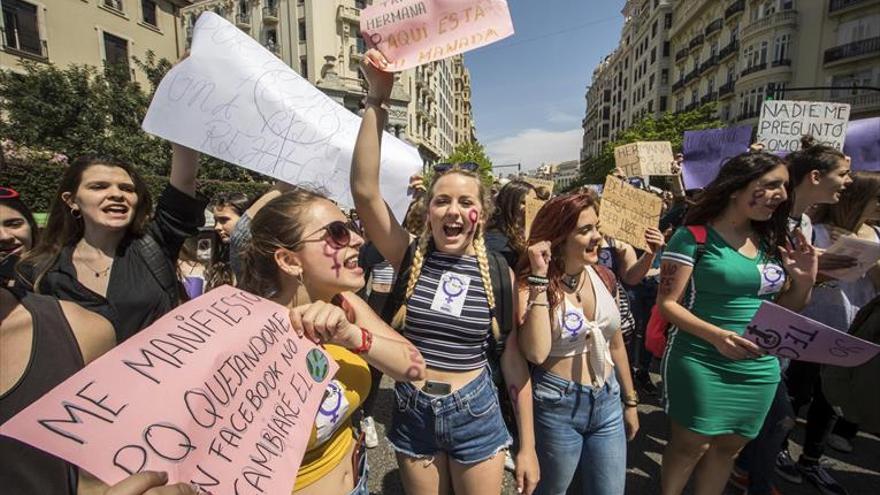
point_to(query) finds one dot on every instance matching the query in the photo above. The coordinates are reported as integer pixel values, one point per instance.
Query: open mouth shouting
(351, 263)
(453, 230)
(117, 211)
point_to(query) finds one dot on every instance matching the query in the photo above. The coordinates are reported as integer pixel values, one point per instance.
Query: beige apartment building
(90, 32)
(463, 112)
(737, 52)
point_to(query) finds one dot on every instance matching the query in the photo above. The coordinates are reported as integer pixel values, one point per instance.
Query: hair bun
(808, 141)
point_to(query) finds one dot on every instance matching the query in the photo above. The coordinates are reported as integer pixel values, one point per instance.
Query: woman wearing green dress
(719, 385)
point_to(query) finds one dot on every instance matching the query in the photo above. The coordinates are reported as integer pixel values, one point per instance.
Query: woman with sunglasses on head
(447, 430)
(18, 232)
(108, 252)
(303, 255)
(719, 386)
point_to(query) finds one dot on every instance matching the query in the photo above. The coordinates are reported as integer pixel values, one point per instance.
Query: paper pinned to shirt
(234, 100)
(865, 252)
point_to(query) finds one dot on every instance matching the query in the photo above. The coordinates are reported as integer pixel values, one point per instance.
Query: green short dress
(705, 391)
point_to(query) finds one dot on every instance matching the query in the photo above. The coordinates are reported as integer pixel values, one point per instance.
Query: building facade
(89, 32)
(738, 52)
(566, 174)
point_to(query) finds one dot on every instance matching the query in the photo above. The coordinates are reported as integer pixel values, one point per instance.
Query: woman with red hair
(571, 331)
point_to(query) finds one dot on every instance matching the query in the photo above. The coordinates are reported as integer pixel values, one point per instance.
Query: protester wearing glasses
(18, 232)
(571, 331)
(447, 430)
(303, 255)
(719, 386)
(108, 251)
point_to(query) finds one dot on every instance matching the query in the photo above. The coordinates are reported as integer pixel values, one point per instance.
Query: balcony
(692, 106)
(243, 21)
(692, 75)
(865, 103)
(726, 89)
(696, 41)
(681, 54)
(855, 49)
(734, 9)
(709, 97)
(714, 27)
(779, 19)
(785, 62)
(753, 69)
(354, 53)
(708, 64)
(750, 115)
(678, 85)
(350, 14)
(731, 48)
(270, 14)
(836, 6)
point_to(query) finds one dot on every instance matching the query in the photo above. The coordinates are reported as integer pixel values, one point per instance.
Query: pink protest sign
(414, 32)
(220, 393)
(784, 333)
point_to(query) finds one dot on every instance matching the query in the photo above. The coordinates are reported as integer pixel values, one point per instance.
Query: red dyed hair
(556, 220)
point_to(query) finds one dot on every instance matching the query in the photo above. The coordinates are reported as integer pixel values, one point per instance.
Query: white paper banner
(233, 99)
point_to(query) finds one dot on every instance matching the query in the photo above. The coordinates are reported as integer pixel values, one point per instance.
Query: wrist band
(538, 280)
(366, 342)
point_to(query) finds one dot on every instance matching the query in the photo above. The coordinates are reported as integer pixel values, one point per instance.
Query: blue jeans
(579, 427)
(364, 474)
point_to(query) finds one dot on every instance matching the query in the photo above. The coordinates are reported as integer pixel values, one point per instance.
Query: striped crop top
(447, 318)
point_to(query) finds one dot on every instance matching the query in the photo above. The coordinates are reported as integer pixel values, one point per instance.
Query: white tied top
(578, 335)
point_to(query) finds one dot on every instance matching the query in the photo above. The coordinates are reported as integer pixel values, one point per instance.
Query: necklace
(573, 283)
(98, 273)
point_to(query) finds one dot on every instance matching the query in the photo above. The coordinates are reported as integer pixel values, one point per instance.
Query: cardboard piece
(866, 252)
(545, 183)
(416, 32)
(644, 158)
(533, 206)
(706, 151)
(626, 212)
(863, 144)
(783, 123)
(233, 99)
(220, 393)
(784, 333)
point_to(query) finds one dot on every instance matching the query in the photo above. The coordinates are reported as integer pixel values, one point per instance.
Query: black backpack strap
(502, 287)
(160, 266)
(398, 291)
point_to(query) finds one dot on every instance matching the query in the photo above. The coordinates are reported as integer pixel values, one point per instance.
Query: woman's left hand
(655, 240)
(527, 471)
(631, 422)
(325, 323)
(800, 263)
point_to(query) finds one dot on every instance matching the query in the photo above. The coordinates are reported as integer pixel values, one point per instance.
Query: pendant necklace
(574, 283)
(98, 273)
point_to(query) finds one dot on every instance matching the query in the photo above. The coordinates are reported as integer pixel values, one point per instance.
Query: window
(304, 67)
(763, 59)
(734, 33)
(859, 29)
(710, 87)
(148, 7)
(679, 104)
(21, 30)
(361, 4)
(115, 51)
(666, 49)
(713, 49)
(861, 78)
(667, 21)
(781, 47)
(695, 97)
(654, 29)
(662, 103)
(361, 45)
(664, 76)
(651, 82)
(651, 106)
(302, 30)
(114, 4)
(653, 54)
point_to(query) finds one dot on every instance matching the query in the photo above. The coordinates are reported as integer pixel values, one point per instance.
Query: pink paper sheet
(220, 393)
(415, 32)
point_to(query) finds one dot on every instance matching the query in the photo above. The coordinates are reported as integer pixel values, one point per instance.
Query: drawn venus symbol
(452, 287)
(328, 408)
(316, 363)
(573, 322)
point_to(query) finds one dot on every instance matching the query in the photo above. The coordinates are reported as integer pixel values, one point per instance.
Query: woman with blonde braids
(447, 430)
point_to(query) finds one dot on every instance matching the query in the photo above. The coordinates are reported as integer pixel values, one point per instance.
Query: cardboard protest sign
(533, 206)
(415, 32)
(784, 333)
(545, 183)
(626, 212)
(219, 393)
(706, 151)
(644, 158)
(233, 99)
(863, 144)
(783, 123)
(865, 252)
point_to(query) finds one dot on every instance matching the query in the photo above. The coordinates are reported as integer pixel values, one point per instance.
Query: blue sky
(528, 90)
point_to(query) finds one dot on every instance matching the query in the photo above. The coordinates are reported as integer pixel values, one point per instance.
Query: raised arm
(633, 269)
(535, 332)
(382, 228)
(184, 167)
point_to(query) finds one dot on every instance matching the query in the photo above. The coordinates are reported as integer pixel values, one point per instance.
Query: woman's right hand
(732, 346)
(379, 82)
(149, 483)
(539, 258)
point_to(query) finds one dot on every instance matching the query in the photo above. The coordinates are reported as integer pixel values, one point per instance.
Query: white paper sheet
(233, 99)
(866, 252)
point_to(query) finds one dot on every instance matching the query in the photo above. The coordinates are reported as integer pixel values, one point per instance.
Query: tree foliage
(668, 127)
(473, 152)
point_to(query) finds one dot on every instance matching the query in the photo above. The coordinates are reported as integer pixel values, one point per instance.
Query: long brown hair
(849, 211)
(63, 229)
(508, 213)
(555, 221)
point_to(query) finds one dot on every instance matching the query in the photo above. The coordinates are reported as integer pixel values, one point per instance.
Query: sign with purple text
(219, 393)
(415, 32)
(706, 151)
(784, 333)
(863, 144)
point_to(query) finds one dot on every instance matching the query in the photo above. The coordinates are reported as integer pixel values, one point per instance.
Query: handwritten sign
(784, 333)
(539, 183)
(706, 151)
(533, 206)
(863, 144)
(219, 393)
(415, 32)
(233, 99)
(644, 158)
(783, 123)
(626, 212)
(865, 252)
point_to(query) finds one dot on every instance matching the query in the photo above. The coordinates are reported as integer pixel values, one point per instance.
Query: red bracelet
(366, 342)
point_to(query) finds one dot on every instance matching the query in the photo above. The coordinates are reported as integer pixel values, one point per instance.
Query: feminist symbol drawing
(573, 322)
(317, 365)
(331, 411)
(773, 275)
(452, 287)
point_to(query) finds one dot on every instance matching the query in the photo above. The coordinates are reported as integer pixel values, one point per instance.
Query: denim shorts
(466, 424)
(363, 476)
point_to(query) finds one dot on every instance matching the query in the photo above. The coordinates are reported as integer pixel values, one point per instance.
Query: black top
(498, 242)
(55, 356)
(135, 298)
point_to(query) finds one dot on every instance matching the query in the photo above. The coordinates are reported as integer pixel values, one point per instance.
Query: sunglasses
(337, 234)
(8, 193)
(446, 167)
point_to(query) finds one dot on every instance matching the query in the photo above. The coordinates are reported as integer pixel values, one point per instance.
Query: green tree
(473, 152)
(668, 127)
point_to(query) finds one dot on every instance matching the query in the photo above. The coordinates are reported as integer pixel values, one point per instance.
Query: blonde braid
(483, 262)
(415, 271)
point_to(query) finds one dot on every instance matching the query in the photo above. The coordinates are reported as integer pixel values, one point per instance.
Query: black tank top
(55, 356)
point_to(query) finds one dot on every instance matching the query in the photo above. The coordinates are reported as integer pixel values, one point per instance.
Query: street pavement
(859, 471)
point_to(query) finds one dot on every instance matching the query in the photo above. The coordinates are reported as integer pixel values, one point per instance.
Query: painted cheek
(333, 254)
(473, 216)
(757, 195)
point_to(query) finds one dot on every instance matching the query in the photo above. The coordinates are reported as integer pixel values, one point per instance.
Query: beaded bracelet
(537, 280)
